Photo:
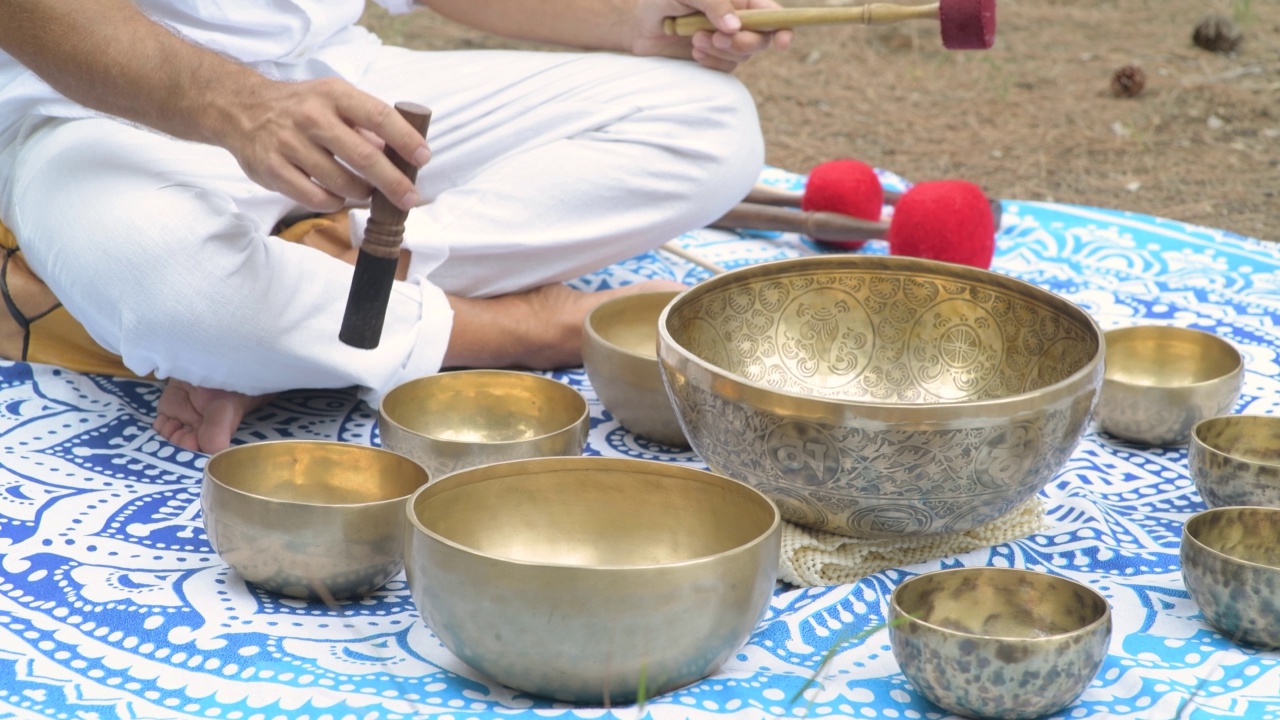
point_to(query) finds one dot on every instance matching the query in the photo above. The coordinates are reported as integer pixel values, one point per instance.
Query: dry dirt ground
(1033, 118)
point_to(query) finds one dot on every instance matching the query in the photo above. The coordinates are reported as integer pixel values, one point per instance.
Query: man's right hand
(321, 143)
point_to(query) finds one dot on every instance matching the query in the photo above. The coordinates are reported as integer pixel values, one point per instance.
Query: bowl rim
(1197, 441)
(904, 617)
(208, 477)
(590, 329)
(583, 417)
(1237, 370)
(417, 527)
(924, 413)
(1188, 535)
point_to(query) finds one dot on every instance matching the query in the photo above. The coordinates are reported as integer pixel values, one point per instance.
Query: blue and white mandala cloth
(112, 604)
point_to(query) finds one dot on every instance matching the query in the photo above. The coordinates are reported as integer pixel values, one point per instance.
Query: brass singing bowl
(586, 579)
(309, 519)
(456, 420)
(876, 396)
(1231, 568)
(620, 354)
(1005, 643)
(1160, 381)
(1235, 460)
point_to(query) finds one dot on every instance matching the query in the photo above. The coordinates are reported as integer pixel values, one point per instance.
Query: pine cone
(1217, 33)
(1128, 81)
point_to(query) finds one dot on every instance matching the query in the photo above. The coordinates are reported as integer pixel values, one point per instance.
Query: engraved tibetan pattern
(882, 336)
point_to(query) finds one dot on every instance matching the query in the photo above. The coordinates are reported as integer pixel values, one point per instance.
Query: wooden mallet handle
(815, 224)
(380, 252)
(781, 19)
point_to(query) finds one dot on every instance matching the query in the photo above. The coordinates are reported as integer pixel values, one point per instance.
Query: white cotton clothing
(545, 166)
(288, 39)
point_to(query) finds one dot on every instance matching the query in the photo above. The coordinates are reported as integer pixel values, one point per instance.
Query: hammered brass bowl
(1235, 460)
(309, 519)
(1160, 381)
(620, 354)
(1231, 568)
(990, 642)
(876, 396)
(586, 579)
(456, 420)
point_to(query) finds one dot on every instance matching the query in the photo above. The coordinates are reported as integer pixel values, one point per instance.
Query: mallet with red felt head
(965, 24)
(845, 186)
(375, 271)
(948, 220)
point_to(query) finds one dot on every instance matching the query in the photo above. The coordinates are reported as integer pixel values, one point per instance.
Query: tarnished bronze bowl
(455, 420)
(881, 396)
(1160, 381)
(1231, 567)
(1005, 643)
(1235, 460)
(310, 519)
(620, 354)
(586, 579)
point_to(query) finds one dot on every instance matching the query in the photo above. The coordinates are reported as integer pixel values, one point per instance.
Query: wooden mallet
(380, 252)
(965, 24)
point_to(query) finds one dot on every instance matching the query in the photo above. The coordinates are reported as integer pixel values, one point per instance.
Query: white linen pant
(545, 166)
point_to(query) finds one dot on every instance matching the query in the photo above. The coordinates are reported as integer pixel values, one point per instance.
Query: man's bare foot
(202, 419)
(540, 329)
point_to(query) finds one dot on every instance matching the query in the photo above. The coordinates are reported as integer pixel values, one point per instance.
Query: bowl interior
(630, 323)
(316, 473)
(592, 512)
(1252, 438)
(1159, 356)
(1247, 534)
(1000, 603)
(484, 406)
(889, 330)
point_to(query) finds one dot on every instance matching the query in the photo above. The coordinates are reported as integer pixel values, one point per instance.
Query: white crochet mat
(812, 558)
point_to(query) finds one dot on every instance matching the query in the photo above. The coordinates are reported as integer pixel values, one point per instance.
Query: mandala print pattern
(112, 604)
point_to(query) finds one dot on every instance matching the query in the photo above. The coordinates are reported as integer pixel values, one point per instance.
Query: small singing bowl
(998, 642)
(620, 354)
(589, 579)
(456, 420)
(1231, 568)
(1235, 460)
(309, 519)
(1160, 381)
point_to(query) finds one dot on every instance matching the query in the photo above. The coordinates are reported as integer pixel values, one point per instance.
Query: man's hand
(633, 26)
(321, 143)
(724, 49)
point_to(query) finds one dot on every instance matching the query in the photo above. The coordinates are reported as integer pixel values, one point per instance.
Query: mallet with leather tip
(380, 251)
(965, 24)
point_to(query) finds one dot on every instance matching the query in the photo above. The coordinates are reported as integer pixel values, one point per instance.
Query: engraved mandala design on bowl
(957, 348)
(824, 337)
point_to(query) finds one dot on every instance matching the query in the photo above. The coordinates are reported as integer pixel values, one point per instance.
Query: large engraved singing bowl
(989, 642)
(589, 579)
(456, 420)
(1162, 380)
(620, 355)
(881, 396)
(1235, 460)
(309, 519)
(1231, 568)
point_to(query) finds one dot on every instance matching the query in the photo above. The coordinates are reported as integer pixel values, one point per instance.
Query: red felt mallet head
(848, 187)
(967, 24)
(948, 220)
